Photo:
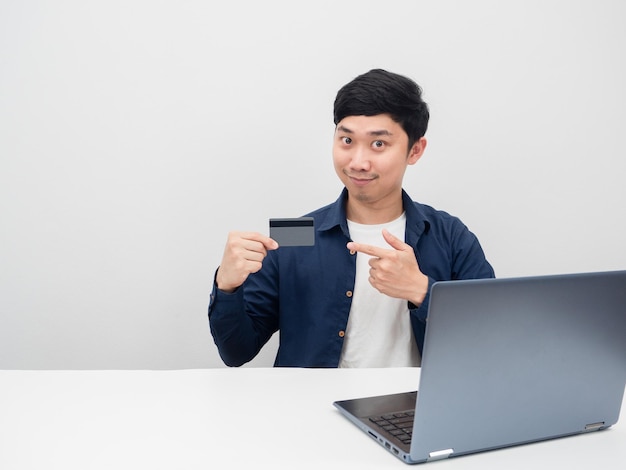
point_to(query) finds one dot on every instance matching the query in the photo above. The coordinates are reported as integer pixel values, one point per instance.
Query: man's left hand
(394, 272)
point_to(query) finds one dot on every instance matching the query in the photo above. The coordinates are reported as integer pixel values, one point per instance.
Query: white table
(231, 418)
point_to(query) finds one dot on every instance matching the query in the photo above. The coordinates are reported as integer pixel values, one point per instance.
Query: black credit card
(293, 232)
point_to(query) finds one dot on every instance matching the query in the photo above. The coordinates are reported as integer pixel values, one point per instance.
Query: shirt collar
(416, 221)
(336, 215)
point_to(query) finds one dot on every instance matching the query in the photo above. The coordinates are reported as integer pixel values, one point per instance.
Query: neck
(371, 214)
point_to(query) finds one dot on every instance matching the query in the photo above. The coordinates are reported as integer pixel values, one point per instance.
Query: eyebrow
(372, 133)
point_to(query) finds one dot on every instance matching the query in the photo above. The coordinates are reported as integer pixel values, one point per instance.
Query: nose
(359, 160)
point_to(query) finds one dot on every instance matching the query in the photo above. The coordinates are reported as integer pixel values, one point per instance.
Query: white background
(135, 134)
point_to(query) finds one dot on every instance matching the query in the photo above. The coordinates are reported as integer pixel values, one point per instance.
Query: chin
(361, 196)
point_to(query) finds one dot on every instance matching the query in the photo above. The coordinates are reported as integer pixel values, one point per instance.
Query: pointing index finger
(366, 249)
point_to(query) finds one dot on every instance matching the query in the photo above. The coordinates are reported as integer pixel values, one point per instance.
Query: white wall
(135, 134)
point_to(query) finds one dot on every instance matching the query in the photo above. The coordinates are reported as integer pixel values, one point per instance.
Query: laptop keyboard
(399, 425)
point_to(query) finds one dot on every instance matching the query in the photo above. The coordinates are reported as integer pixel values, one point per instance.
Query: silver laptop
(507, 362)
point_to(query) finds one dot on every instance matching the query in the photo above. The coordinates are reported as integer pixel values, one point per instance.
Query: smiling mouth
(361, 180)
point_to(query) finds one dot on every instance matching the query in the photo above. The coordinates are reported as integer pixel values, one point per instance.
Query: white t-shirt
(379, 332)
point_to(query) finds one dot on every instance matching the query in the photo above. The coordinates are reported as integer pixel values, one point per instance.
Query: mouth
(361, 180)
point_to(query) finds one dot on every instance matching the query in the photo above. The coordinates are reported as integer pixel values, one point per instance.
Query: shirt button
(349, 293)
(352, 252)
(342, 334)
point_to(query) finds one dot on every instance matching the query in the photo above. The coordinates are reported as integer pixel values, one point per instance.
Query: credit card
(293, 231)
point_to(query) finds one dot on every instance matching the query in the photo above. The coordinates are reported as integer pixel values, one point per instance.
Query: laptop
(507, 361)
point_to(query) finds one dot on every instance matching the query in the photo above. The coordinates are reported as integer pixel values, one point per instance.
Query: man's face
(370, 154)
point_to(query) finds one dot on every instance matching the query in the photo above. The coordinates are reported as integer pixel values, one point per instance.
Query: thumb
(394, 241)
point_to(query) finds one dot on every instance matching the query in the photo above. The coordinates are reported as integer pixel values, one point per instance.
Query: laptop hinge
(440, 454)
(594, 426)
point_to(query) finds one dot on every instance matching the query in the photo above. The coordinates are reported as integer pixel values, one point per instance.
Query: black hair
(381, 92)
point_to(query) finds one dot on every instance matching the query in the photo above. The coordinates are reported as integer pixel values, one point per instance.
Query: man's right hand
(243, 255)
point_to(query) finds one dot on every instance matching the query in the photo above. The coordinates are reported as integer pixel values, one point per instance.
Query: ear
(417, 150)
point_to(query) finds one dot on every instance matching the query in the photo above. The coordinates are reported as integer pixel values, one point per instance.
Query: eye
(346, 140)
(378, 144)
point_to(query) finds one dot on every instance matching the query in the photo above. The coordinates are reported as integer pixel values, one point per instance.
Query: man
(359, 297)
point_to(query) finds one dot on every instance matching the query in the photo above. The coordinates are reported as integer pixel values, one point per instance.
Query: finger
(394, 241)
(267, 242)
(366, 249)
(251, 249)
(254, 266)
(257, 254)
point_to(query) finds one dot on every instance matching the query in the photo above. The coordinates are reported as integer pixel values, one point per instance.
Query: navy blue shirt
(306, 292)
